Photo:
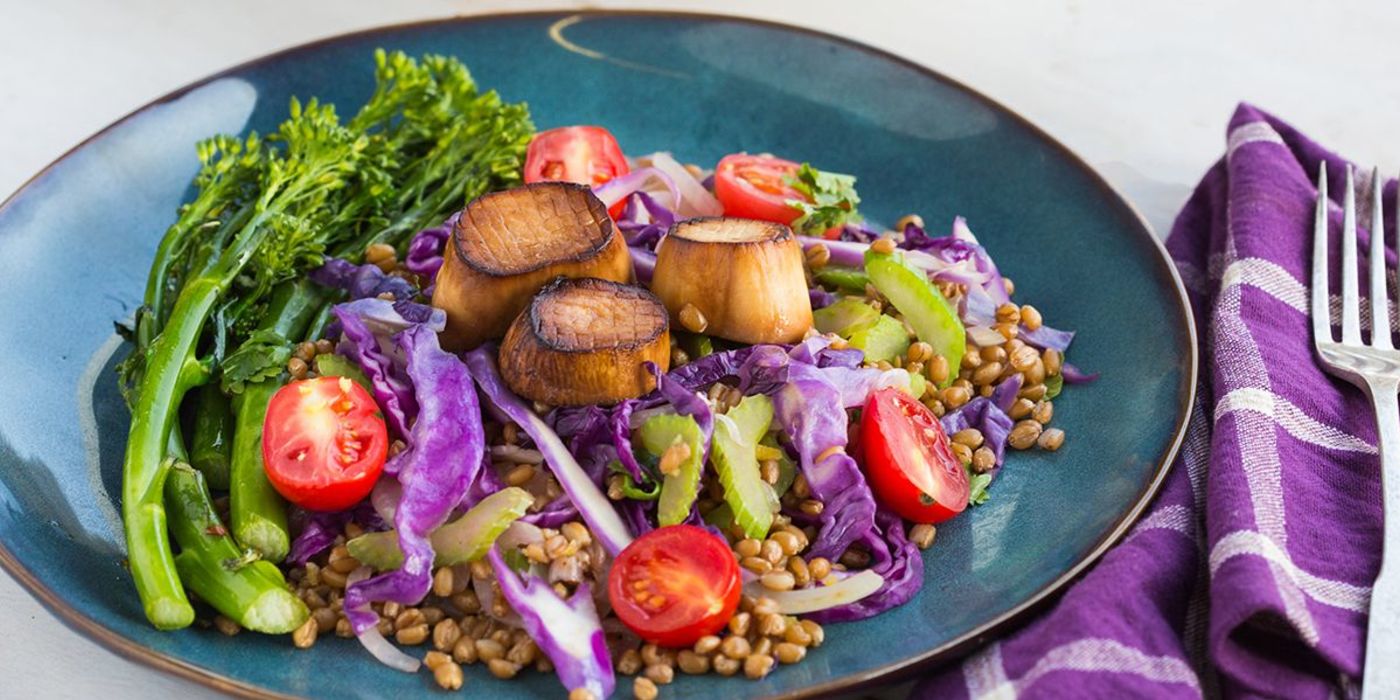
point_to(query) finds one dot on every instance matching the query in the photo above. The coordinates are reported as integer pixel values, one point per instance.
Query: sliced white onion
(695, 200)
(386, 653)
(375, 643)
(517, 454)
(650, 180)
(896, 377)
(520, 534)
(486, 594)
(385, 498)
(805, 600)
(730, 428)
(984, 336)
(597, 511)
(960, 230)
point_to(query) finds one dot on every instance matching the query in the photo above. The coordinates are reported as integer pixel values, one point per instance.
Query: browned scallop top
(585, 314)
(719, 229)
(528, 228)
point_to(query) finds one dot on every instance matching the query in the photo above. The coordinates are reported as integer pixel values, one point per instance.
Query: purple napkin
(1250, 575)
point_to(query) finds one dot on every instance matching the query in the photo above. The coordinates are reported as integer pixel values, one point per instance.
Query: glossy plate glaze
(76, 241)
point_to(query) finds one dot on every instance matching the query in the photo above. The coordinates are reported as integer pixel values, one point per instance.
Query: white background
(1141, 90)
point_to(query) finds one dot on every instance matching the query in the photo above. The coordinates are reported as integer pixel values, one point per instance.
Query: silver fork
(1375, 369)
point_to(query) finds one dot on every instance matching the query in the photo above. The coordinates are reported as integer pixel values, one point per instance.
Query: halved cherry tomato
(324, 443)
(675, 585)
(588, 155)
(755, 187)
(908, 459)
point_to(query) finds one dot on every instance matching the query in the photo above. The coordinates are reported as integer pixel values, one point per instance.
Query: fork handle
(1382, 673)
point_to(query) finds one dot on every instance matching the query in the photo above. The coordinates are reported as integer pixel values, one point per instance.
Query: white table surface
(1141, 90)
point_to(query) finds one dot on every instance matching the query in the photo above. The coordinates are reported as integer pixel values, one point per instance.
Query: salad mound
(534, 403)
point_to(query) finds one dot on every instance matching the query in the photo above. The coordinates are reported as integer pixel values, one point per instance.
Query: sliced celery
(733, 451)
(853, 280)
(885, 340)
(678, 490)
(932, 317)
(845, 316)
(465, 539)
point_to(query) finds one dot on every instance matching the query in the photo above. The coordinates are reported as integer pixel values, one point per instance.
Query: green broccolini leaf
(267, 210)
(229, 171)
(262, 356)
(833, 199)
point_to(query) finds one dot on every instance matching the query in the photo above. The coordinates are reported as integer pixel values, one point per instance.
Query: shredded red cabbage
(319, 529)
(986, 416)
(861, 232)
(1005, 393)
(366, 328)
(567, 631)
(686, 402)
(644, 264)
(435, 471)
(811, 411)
(1046, 337)
(1074, 375)
(425, 251)
(644, 221)
(592, 504)
(700, 373)
(896, 559)
(361, 281)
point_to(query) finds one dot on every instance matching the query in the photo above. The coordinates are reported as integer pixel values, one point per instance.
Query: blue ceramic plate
(75, 244)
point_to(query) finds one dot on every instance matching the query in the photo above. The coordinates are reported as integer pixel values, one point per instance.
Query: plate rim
(897, 670)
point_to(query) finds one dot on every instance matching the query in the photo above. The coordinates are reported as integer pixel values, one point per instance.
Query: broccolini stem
(252, 593)
(324, 315)
(211, 443)
(256, 511)
(258, 514)
(171, 373)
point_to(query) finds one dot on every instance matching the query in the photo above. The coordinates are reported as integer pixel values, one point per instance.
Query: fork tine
(1351, 297)
(1380, 296)
(1321, 311)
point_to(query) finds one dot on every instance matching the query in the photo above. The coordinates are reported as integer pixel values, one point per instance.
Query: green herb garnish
(833, 199)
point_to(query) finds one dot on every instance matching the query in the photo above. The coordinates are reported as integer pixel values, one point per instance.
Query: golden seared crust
(721, 229)
(583, 315)
(476, 285)
(745, 278)
(586, 341)
(528, 228)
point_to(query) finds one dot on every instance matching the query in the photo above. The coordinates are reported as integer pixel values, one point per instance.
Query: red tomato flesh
(755, 187)
(588, 155)
(324, 443)
(674, 585)
(908, 459)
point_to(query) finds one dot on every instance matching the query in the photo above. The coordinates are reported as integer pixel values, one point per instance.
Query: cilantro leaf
(261, 357)
(977, 491)
(833, 199)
